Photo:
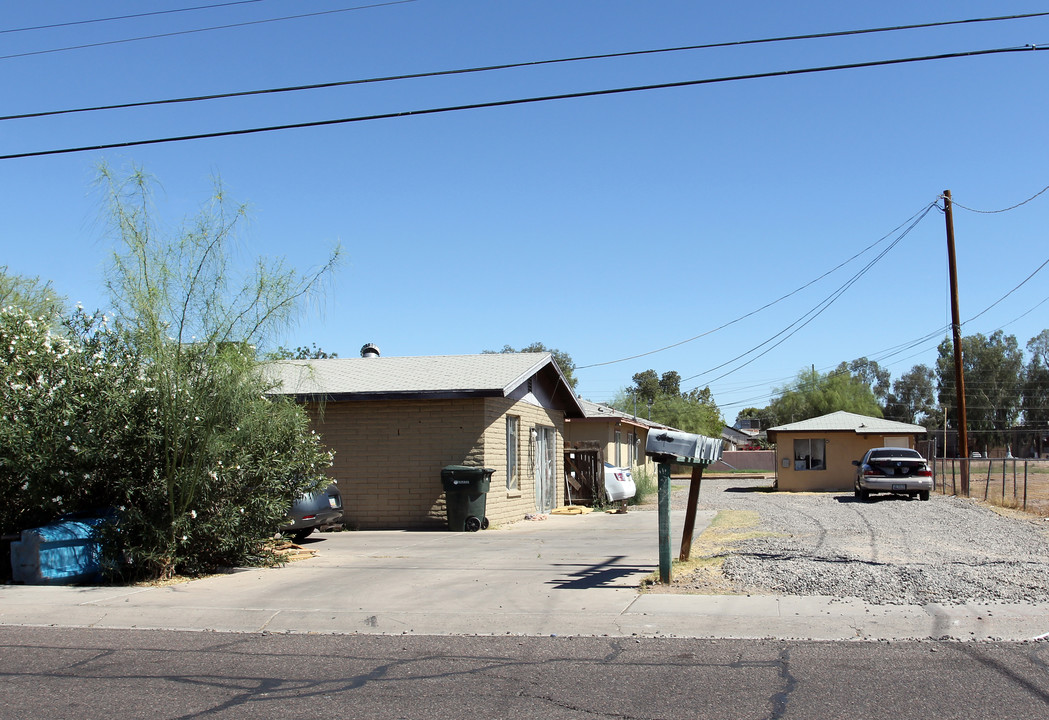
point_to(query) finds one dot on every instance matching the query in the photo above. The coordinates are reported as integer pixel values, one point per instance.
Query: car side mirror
(856, 463)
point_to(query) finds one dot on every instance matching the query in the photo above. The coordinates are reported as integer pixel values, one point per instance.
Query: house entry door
(545, 467)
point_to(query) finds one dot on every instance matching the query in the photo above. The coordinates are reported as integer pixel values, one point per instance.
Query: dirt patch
(702, 572)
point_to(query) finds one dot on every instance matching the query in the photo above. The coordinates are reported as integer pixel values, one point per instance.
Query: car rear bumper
(325, 517)
(888, 484)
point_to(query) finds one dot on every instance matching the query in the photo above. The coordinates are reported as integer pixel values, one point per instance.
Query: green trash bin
(465, 494)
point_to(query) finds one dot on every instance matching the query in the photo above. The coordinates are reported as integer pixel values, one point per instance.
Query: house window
(632, 449)
(512, 425)
(619, 449)
(810, 454)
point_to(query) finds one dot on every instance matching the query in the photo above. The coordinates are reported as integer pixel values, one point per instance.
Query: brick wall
(763, 460)
(389, 455)
(503, 505)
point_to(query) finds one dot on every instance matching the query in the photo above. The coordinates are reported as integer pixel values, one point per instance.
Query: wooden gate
(584, 474)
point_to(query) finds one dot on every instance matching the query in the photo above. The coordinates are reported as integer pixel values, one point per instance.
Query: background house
(817, 454)
(394, 422)
(611, 436)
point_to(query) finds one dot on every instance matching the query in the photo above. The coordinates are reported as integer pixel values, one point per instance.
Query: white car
(900, 471)
(619, 484)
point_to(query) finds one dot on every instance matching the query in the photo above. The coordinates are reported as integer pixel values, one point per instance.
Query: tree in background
(913, 396)
(646, 387)
(1035, 402)
(813, 394)
(870, 373)
(663, 402)
(301, 353)
(563, 359)
(992, 367)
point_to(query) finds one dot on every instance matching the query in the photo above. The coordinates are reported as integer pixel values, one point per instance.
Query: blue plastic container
(62, 553)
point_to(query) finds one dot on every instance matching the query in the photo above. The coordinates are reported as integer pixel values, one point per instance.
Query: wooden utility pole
(956, 332)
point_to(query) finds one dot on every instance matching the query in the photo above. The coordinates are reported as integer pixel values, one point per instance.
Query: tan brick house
(817, 454)
(394, 422)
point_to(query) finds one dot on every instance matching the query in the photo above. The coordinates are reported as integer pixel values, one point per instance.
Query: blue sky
(604, 226)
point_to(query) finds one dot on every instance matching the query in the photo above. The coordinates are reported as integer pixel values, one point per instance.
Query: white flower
(193, 514)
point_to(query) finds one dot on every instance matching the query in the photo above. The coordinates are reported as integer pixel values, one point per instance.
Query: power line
(813, 313)
(993, 212)
(127, 17)
(1003, 297)
(509, 66)
(763, 307)
(201, 30)
(522, 101)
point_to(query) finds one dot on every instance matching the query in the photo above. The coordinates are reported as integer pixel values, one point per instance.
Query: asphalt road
(80, 674)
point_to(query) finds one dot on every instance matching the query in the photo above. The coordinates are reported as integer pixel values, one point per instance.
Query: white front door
(545, 469)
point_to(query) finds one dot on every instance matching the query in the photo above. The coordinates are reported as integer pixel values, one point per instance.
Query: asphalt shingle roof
(487, 373)
(847, 421)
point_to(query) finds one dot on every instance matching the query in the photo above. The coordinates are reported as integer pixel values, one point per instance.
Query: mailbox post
(672, 446)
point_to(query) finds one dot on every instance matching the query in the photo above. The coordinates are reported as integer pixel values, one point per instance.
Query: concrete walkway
(566, 575)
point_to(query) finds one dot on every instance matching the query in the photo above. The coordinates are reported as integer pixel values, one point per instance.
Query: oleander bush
(159, 417)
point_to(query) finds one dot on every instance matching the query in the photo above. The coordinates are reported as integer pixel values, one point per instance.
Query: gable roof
(597, 411)
(736, 435)
(842, 421)
(432, 377)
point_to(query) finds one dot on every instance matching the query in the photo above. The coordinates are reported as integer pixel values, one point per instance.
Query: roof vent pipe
(370, 350)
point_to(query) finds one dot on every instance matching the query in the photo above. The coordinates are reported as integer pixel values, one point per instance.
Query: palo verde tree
(223, 461)
(36, 298)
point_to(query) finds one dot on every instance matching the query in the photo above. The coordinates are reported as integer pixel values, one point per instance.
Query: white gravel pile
(887, 551)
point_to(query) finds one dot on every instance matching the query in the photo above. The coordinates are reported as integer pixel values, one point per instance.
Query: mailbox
(682, 447)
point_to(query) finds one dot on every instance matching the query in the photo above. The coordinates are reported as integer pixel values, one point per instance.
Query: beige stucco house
(817, 454)
(619, 437)
(395, 422)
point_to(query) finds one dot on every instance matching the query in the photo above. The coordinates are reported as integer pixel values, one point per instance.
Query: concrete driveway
(575, 574)
(566, 575)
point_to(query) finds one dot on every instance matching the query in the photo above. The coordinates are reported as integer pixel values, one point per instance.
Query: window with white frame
(513, 424)
(619, 449)
(810, 454)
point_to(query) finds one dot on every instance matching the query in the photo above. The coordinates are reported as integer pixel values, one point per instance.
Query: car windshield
(895, 453)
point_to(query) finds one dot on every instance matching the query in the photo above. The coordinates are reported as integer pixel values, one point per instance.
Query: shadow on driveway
(607, 574)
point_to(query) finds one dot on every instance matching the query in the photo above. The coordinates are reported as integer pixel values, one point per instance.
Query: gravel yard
(887, 551)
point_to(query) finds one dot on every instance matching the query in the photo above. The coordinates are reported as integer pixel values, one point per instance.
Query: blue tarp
(61, 553)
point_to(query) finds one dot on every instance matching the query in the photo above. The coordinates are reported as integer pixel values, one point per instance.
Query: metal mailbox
(682, 447)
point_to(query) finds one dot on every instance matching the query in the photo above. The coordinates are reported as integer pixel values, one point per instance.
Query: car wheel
(923, 495)
(301, 535)
(862, 494)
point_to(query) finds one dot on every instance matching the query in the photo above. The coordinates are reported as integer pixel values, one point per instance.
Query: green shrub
(645, 486)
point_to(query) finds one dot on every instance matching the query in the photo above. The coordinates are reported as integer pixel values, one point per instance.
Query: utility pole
(956, 332)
